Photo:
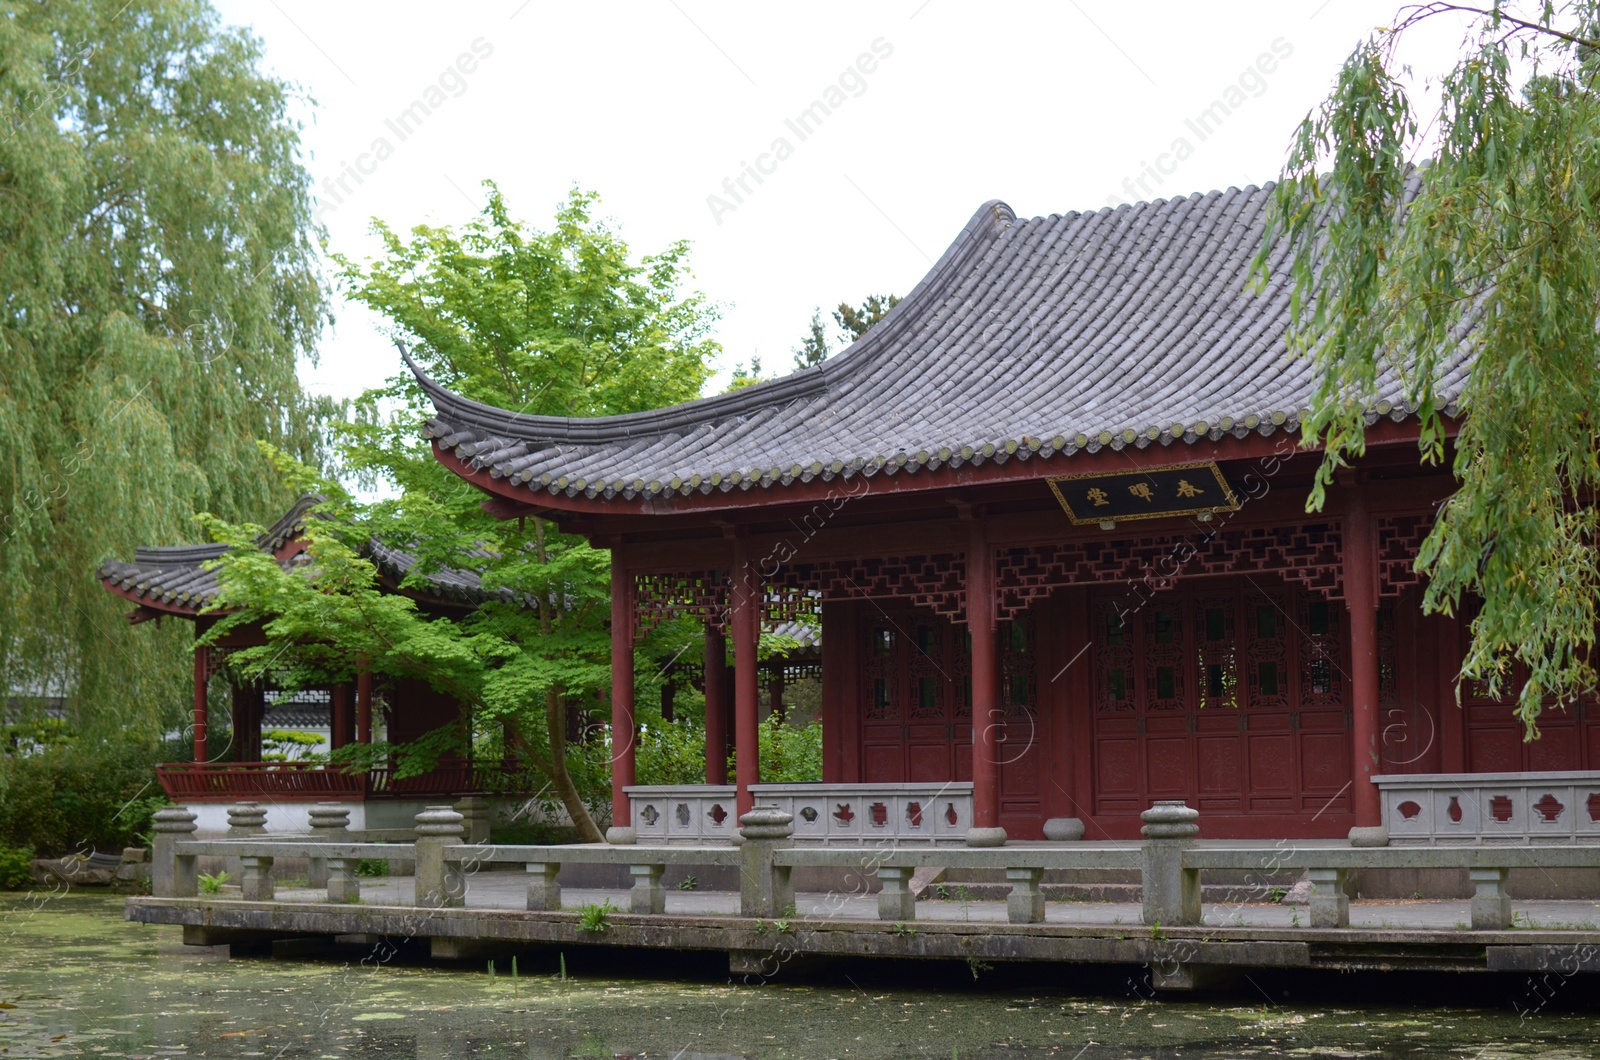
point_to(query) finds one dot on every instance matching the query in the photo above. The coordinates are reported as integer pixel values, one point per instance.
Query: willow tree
(1418, 239)
(158, 283)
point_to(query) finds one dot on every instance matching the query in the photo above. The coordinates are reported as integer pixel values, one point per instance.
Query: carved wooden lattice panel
(1267, 651)
(937, 582)
(1163, 655)
(1388, 663)
(658, 597)
(1218, 655)
(928, 678)
(1018, 679)
(1321, 654)
(1399, 538)
(1308, 554)
(1114, 646)
(880, 673)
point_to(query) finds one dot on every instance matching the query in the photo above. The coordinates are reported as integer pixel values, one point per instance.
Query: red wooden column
(746, 618)
(985, 830)
(1361, 597)
(622, 726)
(363, 706)
(716, 706)
(201, 658)
(339, 702)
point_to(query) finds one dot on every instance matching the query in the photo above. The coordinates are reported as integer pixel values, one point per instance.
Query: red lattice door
(1228, 696)
(916, 705)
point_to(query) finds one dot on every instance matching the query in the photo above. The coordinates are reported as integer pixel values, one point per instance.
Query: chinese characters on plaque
(1152, 493)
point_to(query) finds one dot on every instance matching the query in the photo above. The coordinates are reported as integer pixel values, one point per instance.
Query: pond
(77, 980)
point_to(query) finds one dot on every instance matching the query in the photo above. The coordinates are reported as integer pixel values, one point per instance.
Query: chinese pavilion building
(1051, 513)
(180, 582)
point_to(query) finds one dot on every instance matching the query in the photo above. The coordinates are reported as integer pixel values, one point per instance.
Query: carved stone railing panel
(852, 814)
(1515, 808)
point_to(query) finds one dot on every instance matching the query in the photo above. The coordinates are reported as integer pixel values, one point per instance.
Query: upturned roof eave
(510, 499)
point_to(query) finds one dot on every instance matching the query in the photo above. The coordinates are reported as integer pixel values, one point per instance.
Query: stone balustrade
(1515, 808)
(1171, 861)
(846, 814)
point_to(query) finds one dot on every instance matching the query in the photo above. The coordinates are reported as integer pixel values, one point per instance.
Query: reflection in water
(76, 980)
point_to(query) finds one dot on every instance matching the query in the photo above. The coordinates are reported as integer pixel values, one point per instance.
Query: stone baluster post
(438, 884)
(765, 889)
(246, 819)
(330, 823)
(1491, 906)
(1171, 892)
(1025, 902)
(474, 811)
(173, 875)
(343, 886)
(255, 883)
(544, 893)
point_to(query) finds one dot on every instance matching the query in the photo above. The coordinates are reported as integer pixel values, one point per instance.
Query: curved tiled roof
(175, 577)
(1030, 338)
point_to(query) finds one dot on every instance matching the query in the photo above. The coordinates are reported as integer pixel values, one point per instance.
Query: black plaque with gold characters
(1150, 493)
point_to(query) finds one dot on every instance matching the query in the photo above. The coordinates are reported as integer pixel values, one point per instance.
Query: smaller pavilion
(174, 582)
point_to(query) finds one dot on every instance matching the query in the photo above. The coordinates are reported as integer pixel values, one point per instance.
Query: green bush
(671, 752)
(14, 867)
(76, 797)
(790, 754)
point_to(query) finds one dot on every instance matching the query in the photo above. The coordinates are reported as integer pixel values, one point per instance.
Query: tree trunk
(555, 720)
(555, 767)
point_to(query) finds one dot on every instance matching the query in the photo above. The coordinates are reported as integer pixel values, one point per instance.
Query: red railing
(226, 781)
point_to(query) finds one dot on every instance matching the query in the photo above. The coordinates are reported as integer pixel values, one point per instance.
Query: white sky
(1051, 107)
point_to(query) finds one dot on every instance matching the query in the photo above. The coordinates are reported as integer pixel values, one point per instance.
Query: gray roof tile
(1034, 337)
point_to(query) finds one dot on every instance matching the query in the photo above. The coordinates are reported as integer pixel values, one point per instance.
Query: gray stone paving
(507, 890)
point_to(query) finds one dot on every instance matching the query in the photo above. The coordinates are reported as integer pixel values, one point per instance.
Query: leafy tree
(561, 323)
(743, 377)
(1492, 247)
(858, 320)
(158, 283)
(853, 322)
(815, 347)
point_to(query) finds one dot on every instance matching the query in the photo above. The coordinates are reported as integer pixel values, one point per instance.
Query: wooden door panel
(1557, 745)
(1497, 750)
(928, 762)
(883, 763)
(1222, 693)
(1220, 761)
(1324, 761)
(1117, 766)
(1170, 766)
(1272, 763)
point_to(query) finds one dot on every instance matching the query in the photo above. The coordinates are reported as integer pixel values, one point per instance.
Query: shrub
(790, 754)
(14, 867)
(79, 796)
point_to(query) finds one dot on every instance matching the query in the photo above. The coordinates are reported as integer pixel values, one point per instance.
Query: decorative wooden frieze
(936, 581)
(1399, 539)
(1309, 554)
(699, 593)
